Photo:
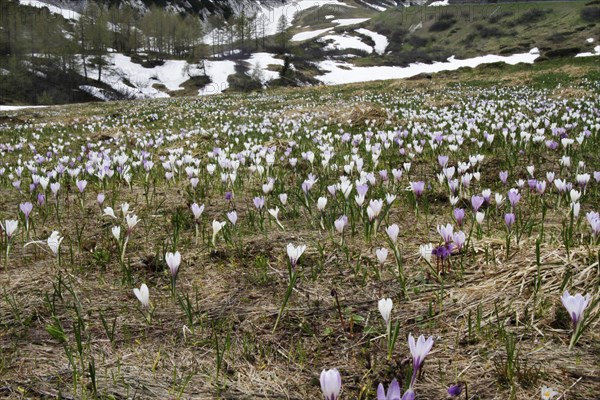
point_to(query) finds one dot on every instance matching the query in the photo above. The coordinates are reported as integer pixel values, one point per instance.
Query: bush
(488, 32)
(417, 41)
(442, 24)
(533, 15)
(590, 14)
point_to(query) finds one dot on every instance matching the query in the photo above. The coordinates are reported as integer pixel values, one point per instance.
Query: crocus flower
(419, 350)
(393, 392)
(116, 232)
(142, 294)
(232, 217)
(259, 202)
(81, 185)
(381, 254)
(283, 198)
(100, 199)
(459, 215)
(109, 212)
(26, 208)
(446, 232)
(340, 224)
(216, 227)
(503, 176)
(197, 210)
(509, 220)
(173, 261)
(513, 197)
(54, 242)
(392, 232)
(321, 203)
(548, 393)
(575, 305)
(455, 390)
(331, 384)
(417, 188)
(294, 253)
(425, 250)
(476, 202)
(385, 308)
(10, 227)
(479, 216)
(132, 221)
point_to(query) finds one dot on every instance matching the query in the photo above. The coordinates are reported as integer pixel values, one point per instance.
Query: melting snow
(381, 42)
(67, 14)
(596, 52)
(349, 21)
(13, 108)
(341, 42)
(299, 37)
(343, 72)
(440, 3)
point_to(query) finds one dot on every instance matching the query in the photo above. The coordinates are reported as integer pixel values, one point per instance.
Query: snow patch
(14, 108)
(596, 52)
(441, 3)
(218, 71)
(299, 37)
(349, 21)
(343, 72)
(67, 14)
(341, 42)
(381, 42)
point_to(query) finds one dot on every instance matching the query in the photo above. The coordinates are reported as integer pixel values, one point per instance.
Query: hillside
(59, 55)
(236, 246)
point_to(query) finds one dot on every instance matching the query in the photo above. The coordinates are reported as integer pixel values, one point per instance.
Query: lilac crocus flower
(26, 208)
(513, 197)
(503, 176)
(476, 202)
(331, 384)
(509, 220)
(459, 215)
(81, 185)
(393, 392)
(443, 161)
(575, 305)
(418, 188)
(259, 202)
(446, 232)
(419, 350)
(100, 199)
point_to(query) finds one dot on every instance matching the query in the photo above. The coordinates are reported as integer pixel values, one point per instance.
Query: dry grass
(234, 295)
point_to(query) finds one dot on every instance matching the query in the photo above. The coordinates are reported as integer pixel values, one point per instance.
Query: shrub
(442, 24)
(590, 14)
(533, 15)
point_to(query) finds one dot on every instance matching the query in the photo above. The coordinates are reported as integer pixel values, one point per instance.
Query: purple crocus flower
(459, 215)
(503, 176)
(476, 202)
(418, 188)
(26, 208)
(362, 189)
(455, 390)
(513, 197)
(509, 220)
(443, 160)
(41, 199)
(331, 384)
(575, 305)
(228, 196)
(419, 350)
(259, 202)
(393, 392)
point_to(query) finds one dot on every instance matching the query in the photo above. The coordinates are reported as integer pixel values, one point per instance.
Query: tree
(282, 34)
